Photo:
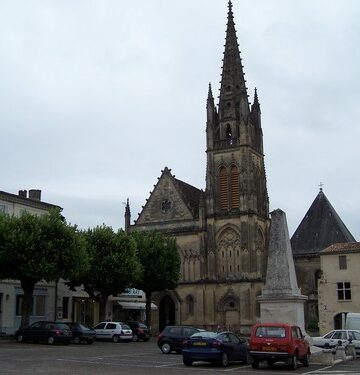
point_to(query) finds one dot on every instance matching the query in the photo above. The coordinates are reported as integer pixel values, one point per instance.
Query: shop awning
(135, 305)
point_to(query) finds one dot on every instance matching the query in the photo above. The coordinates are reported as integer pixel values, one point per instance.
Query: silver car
(114, 331)
(332, 338)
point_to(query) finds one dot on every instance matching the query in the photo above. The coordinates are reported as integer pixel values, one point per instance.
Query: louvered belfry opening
(223, 189)
(234, 187)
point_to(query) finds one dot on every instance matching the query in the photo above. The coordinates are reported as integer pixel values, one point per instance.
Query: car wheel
(116, 338)
(306, 360)
(77, 340)
(293, 362)
(135, 337)
(187, 361)
(89, 341)
(255, 363)
(270, 362)
(145, 340)
(224, 360)
(20, 338)
(50, 340)
(165, 348)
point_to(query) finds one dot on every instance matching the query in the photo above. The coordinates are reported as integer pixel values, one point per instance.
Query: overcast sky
(98, 96)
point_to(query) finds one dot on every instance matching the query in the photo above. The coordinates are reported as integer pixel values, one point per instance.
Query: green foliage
(113, 263)
(40, 247)
(160, 260)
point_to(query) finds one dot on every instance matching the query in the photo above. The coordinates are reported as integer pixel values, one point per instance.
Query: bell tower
(237, 202)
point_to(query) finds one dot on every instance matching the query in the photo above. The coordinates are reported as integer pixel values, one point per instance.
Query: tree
(160, 260)
(39, 247)
(113, 265)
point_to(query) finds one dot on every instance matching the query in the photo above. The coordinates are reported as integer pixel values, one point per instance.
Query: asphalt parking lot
(132, 358)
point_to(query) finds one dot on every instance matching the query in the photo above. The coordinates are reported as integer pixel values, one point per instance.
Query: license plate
(199, 343)
(269, 349)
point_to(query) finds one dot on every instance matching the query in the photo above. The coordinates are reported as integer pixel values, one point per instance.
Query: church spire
(210, 98)
(233, 103)
(256, 104)
(127, 215)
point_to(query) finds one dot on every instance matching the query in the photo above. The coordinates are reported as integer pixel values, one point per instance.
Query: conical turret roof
(320, 228)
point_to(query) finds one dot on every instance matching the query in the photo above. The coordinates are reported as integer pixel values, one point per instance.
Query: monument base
(283, 310)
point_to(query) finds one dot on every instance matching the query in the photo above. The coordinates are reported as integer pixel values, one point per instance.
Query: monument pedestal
(283, 310)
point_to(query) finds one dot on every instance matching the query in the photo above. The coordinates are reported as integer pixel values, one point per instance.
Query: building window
(234, 187)
(344, 291)
(39, 305)
(342, 262)
(190, 305)
(2, 208)
(223, 188)
(38, 302)
(65, 307)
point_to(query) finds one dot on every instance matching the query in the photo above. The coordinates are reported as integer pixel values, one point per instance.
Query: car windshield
(204, 334)
(142, 325)
(270, 332)
(125, 326)
(84, 326)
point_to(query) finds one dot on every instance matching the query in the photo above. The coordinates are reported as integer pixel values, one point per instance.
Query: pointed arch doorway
(166, 312)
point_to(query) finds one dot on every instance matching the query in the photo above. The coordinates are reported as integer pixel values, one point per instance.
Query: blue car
(214, 347)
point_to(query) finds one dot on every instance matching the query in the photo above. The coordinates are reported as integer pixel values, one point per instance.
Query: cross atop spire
(321, 186)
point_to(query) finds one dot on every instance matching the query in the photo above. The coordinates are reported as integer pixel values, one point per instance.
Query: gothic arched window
(234, 187)
(223, 188)
(190, 304)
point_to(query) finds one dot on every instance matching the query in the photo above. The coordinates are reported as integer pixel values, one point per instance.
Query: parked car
(140, 331)
(45, 331)
(332, 338)
(172, 337)
(81, 332)
(273, 342)
(214, 347)
(114, 331)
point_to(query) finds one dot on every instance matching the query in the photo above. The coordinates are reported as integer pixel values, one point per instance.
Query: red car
(274, 342)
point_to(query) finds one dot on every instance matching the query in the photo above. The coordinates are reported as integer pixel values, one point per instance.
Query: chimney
(35, 194)
(22, 193)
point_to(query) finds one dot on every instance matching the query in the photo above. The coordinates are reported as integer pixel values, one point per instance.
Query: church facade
(222, 232)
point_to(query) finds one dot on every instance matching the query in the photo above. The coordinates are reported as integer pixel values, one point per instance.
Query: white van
(352, 321)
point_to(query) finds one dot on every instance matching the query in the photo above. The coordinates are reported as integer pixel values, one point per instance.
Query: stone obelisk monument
(281, 300)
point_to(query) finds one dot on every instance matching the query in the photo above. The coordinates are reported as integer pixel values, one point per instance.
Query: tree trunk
(148, 309)
(28, 286)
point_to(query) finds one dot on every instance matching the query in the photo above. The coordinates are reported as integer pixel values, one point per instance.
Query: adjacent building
(11, 293)
(320, 228)
(339, 284)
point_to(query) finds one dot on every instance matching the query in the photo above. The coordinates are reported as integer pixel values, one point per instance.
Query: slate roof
(191, 195)
(320, 228)
(338, 248)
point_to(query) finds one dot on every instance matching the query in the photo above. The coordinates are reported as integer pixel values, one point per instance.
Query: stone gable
(165, 203)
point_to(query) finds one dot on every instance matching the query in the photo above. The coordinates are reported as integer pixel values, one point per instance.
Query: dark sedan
(81, 333)
(44, 331)
(214, 347)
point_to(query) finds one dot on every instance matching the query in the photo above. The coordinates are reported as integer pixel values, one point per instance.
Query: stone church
(222, 232)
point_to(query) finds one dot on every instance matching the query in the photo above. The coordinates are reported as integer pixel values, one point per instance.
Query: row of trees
(45, 247)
